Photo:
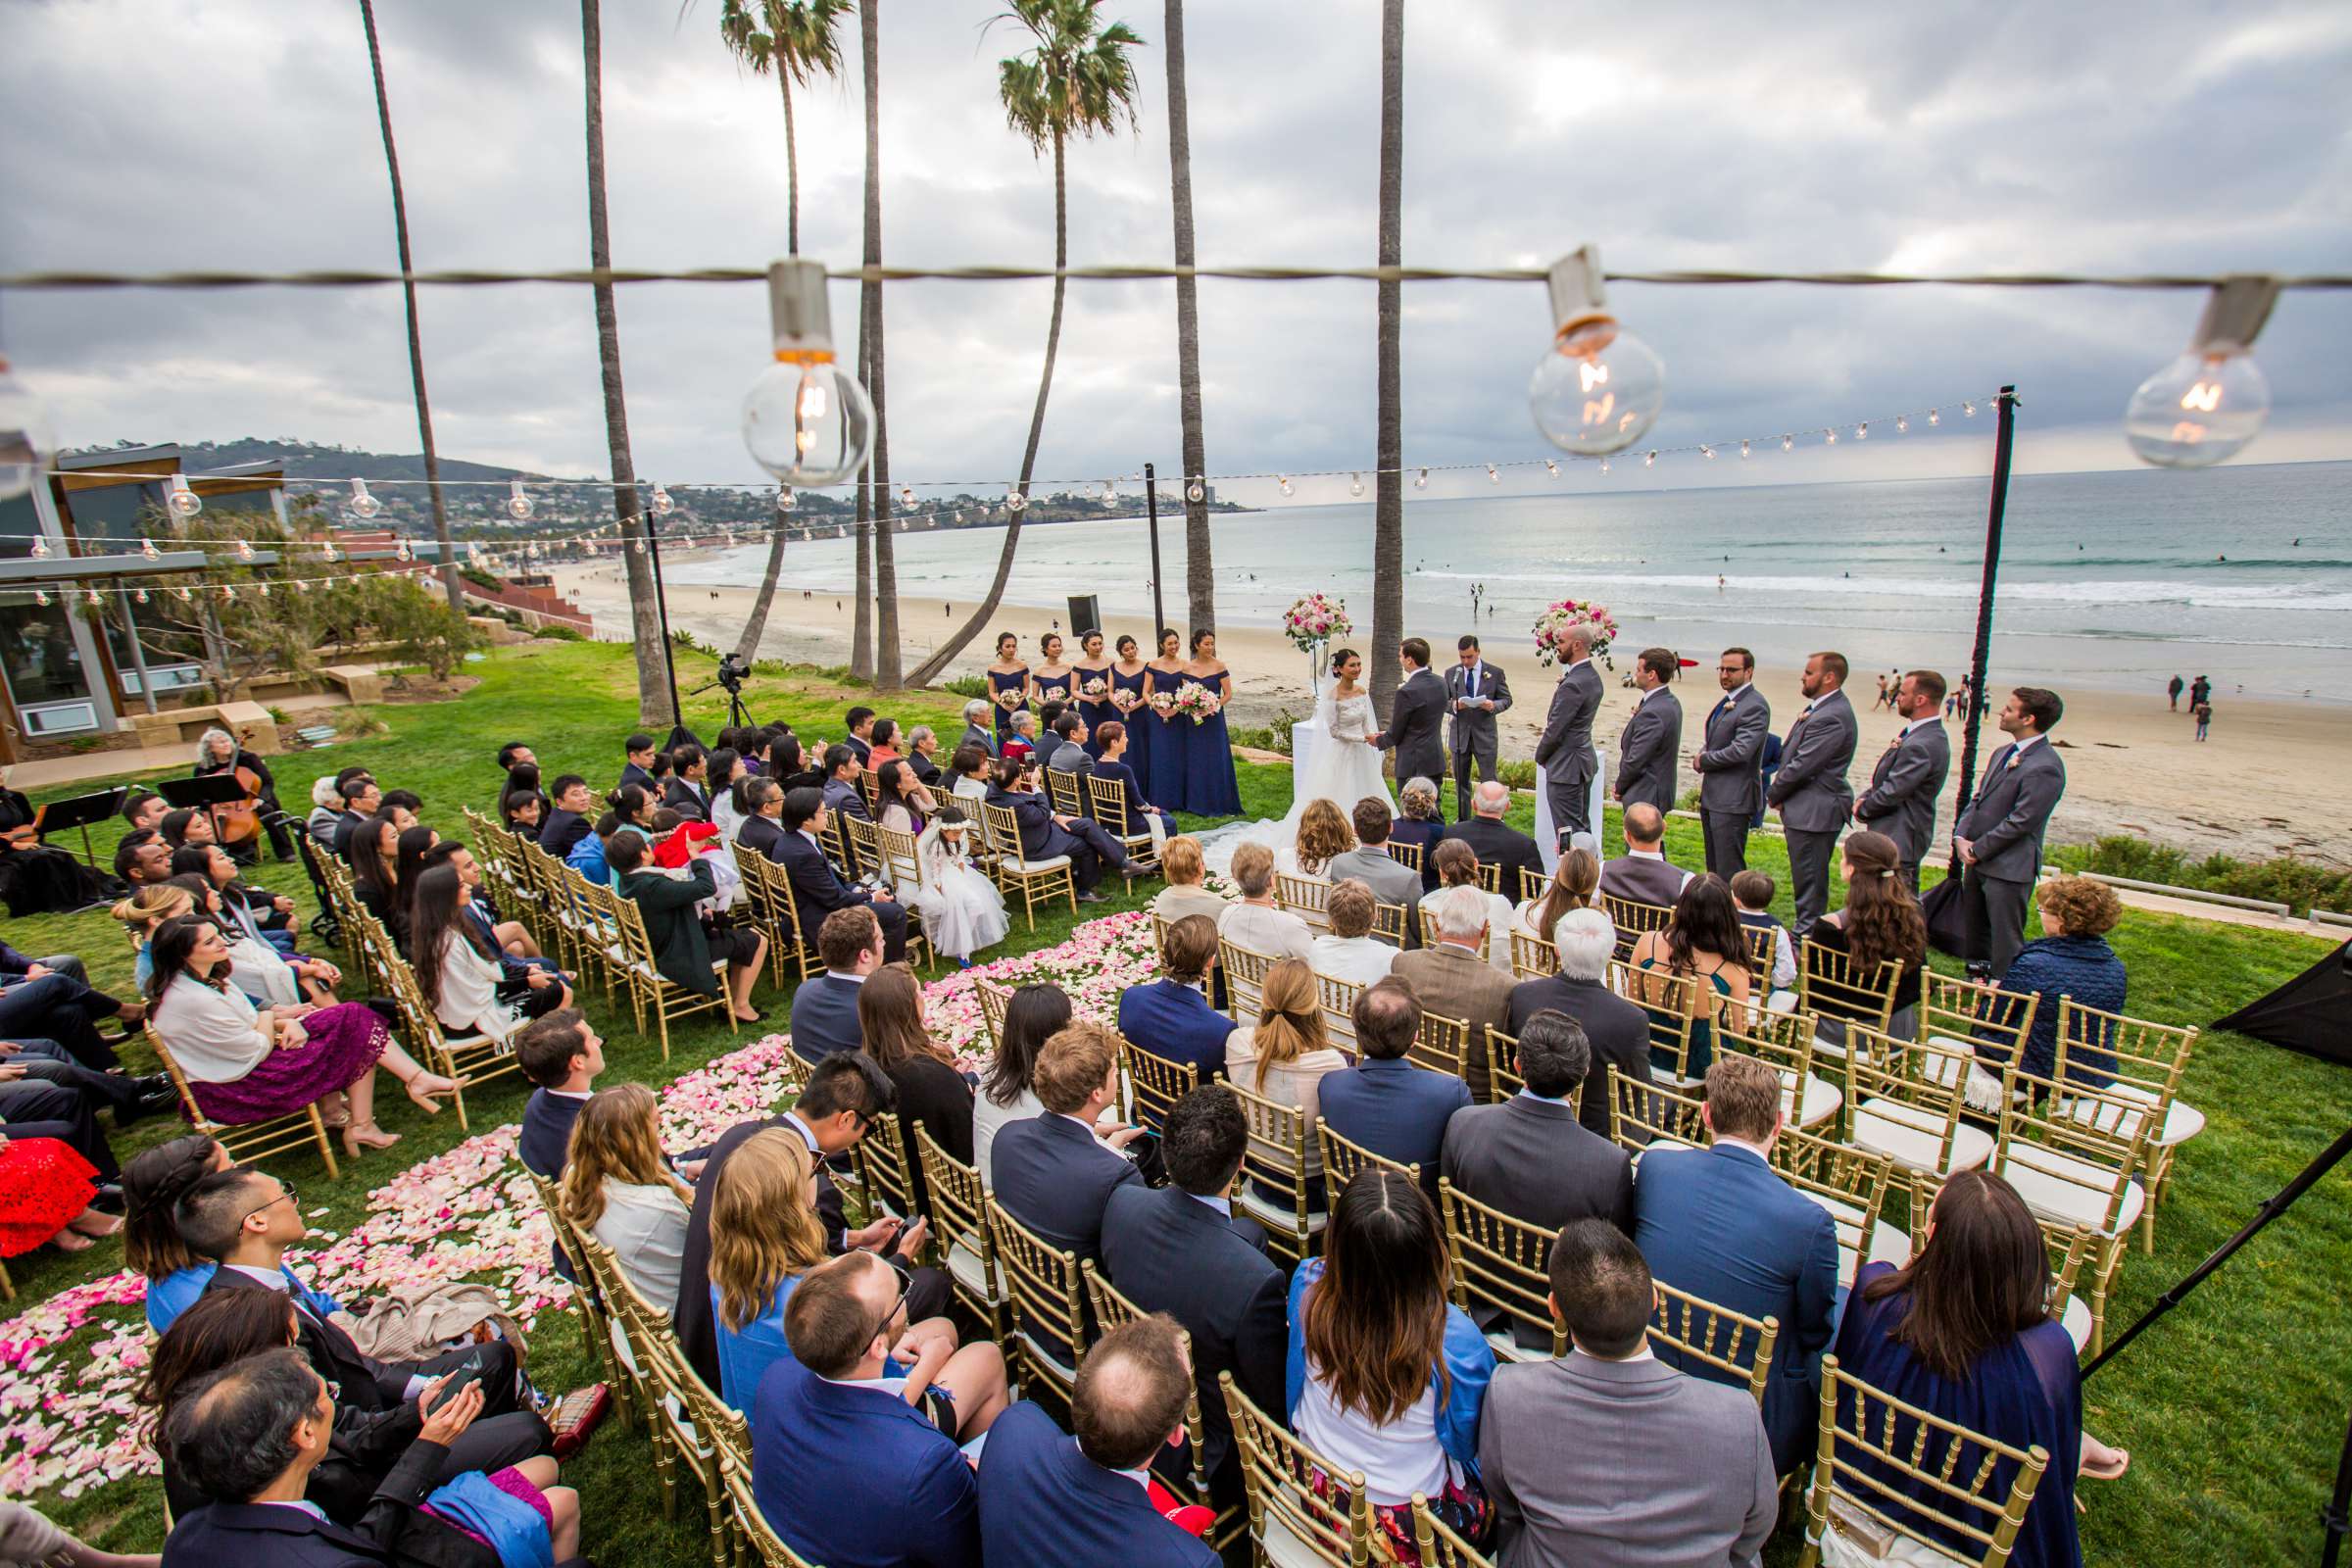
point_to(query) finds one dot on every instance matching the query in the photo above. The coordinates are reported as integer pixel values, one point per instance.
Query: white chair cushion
(1910, 1137)
(2181, 1122)
(1507, 1349)
(2076, 1320)
(1284, 1550)
(1276, 1217)
(1821, 1101)
(971, 1270)
(2075, 1191)
(1035, 867)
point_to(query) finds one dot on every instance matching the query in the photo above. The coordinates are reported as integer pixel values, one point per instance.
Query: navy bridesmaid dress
(1000, 686)
(1096, 714)
(1171, 741)
(1142, 725)
(1050, 689)
(1209, 786)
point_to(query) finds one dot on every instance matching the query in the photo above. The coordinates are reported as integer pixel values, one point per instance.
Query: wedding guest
(1575, 885)
(962, 909)
(1093, 688)
(969, 768)
(975, 729)
(1964, 1332)
(619, 1188)
(1450, 979)
(1616, 1032)
(1111, 742)
(47, 1190)
(932, 1094)
(688, 790)
(1418, 822)
(637, 762)
(1323, 833)
(153, 1184)
(882, 744)
(1051, 681)
(686, 944)
(327, 809)
(727, 770)
(2071, 958)
(1284, 1053)
(634, 804)
(1369, 862)
(1019, 741)
(521, 812)
(817, 890)
(1047, 833)
(459, 968)
(1704, 944)
(859, 722)
(1347, 952)
(1054, 1171)
(217, 753)
(1169, 1017)
(824, 1007)
(402, 806)
(1643, 873)
(1008, 1091)
(1008, 685)
(1752, 891)
(254, 966)
(143, 859)
(922, 755)
(1129, 676)
(568, 822)
(906, 806)
(1495, 842)
(1186, 872)
(1457, 868)
(361, 798)
(1385, 1376)
(1210, 788)
(1879, 924)
(562, 1056)
(1069, 751)
(587, 857)
(764, 1239)
(1169, 739)
(375, 876)
(1254, 922)
(1385, 1102)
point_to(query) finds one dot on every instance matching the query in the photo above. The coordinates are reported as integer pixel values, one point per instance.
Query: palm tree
(795, 40)
(869, 331)
(1076, 81)
(1201, 587)
(1387, 513)
(653, 680)
(425, 409)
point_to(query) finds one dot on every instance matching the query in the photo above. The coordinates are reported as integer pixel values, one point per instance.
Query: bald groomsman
(1810, 789)
(1565, 753)
(1730, 765)
(1909, 778)
(1654, 737)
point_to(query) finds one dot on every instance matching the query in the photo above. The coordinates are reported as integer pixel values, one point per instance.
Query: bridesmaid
(1171, 737)
(1094, 689)
(1051, 682)
(1209, 786)
(1127, 679)
(1007, 684)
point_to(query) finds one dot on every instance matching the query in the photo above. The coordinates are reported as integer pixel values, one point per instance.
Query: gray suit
(1624, 1465)
(974, 735)
(1643, 880)
(1471, 735)
(1650, 750)
(1900, 802)
(1731, 785)
(1390, 881)
(1565, 753)
(2004, 824)
(1816, 802)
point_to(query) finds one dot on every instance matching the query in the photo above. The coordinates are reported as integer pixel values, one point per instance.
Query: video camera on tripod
(733, 668)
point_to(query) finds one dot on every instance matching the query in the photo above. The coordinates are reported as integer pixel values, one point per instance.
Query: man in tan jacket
(1452, 980)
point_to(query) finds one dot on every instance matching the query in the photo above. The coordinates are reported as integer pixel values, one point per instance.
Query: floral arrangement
(1126, 699)
(1314, 619)
(1197, 702)
(1163, 703)
(1093, 690)
(1552, 626)
(68, 1365)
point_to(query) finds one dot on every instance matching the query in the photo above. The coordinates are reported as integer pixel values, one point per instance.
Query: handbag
(1947, 920)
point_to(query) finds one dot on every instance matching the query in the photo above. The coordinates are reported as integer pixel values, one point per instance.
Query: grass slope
(2231, 1409)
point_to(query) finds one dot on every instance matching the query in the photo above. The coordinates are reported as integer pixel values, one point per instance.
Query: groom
(1417, 719)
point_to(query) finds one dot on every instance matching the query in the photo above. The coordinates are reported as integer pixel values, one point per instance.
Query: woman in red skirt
(45, 1193)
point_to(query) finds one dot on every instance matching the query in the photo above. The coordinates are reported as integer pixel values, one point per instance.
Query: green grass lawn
(2234, 1410)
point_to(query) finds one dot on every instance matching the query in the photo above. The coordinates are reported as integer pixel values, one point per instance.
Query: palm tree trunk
(1387, 513)
(963, 634)
(655, 683)
(792, 168)
(869, 312)
(862, 592)
(1200, 580)
(450, 580)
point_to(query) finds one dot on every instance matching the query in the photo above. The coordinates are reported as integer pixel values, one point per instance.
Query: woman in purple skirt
(245, 1065)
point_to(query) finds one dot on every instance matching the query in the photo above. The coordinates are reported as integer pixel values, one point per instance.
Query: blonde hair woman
(1186, 872)
(146, 909)
(1285, 1052)
(1323, 832)
(617, 1188)
(765, 1235)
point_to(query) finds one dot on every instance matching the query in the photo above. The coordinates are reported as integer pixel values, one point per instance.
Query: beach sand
(2269, 782)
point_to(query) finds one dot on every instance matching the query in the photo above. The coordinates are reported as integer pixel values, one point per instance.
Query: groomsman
(1999, 838)
(1565, 753)
(1475, 693)
(1729, 763)
(1810, 788)
(1417, 719)
(1652, 737)
(1909, 778)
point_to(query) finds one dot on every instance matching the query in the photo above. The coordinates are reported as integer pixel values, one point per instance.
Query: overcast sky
(237, 133)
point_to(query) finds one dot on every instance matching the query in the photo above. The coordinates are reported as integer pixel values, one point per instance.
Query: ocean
(2116, 580)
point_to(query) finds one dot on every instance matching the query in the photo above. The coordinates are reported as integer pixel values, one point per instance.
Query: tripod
(2337, 1516)
(738, 715)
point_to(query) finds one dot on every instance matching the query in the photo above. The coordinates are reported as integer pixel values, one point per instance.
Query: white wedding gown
(1343, 770)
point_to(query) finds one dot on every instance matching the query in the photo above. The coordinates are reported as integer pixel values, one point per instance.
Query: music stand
(209, 793)
(83, 812)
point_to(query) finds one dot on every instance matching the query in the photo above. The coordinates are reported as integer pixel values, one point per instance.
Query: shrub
(555, 631)
(2298, 884)
(1519, 772)
(966, 685)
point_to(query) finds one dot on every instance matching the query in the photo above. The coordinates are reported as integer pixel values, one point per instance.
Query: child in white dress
(963, 911)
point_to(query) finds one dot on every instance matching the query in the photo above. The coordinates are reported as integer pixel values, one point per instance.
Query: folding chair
(1501, 1267)
(1155, 1084)
(1112, 1310)
(1343, 1158)
(1049, 879)
(1047, 1301)
(1306, 897)
(1634, 921)
(1277, 1179)
(1693, 1328)
(959, 1225)
(1303, 1509)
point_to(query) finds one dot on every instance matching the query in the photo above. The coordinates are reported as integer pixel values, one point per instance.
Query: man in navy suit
(824, 1010)
(1617, 1031)
(763, 831)
(637, 766)
(568, 822)
(1182, 1250)
(1384, 1102)
(1720, 1224)
(842, 766)
(562, 1056)
(687, 790)
(1053, 1173)
(1047, 833)
(817, 890)
(1169, 1017)
(1047, 1498)
(846, 1470)
(859, 722)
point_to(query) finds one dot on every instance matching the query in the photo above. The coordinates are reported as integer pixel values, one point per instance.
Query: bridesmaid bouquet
(1195, 702)
(1125, 700)
(1315, 619)
(1163, 703)
(1094, 689)
(1551, 628)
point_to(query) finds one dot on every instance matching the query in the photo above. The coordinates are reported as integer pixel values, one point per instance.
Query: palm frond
(1078, 79)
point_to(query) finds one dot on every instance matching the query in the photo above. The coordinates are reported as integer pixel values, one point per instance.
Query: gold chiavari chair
(1388, 923)
(2133, 1063)
(994, 1001)
(884, 1168)
(1108, 796)
(1670, 1004)
(1337, 998)
(1155, 1084)
(1643, 1115)
(1783, 1042)
(1442, 1046)
(1404, 853)
(866, 842)
(1429, 932)
(1049, 879)
(249, 1142)
(1832, 987)
(679, 1443)
(1499, 1273)
(1763, 947)
(1344, 1157)
(1440, 1546)
(1063, 790)
(1887, 1469)
(467, 1060)
(1294, 1520)
(1048, 1301)
(1308, 898)
(1691, 1329)
(758, 1537)
(1533, 957)
(1490, 875)
(1277, 1178)
(1112, 1310)
(652, 991)
(1245, 978)
(959, 1216)
(869, 785)
(2074, 1154)
(596, 1321)
(1958, 1014)
(1502, 1066)
(1851, 1183)
(902, 861)
(1531, 885)
(2078, 1300)
(1634, 921)
(1903, 1099)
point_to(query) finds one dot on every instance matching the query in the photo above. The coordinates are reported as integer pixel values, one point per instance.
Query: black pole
(670, 659)
(2004, 433)
(2338, 1516)
(1159, 613)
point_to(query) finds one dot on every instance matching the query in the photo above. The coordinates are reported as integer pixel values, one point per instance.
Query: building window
(40, 658)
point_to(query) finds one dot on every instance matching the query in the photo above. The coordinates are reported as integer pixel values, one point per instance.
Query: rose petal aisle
(70, 1365)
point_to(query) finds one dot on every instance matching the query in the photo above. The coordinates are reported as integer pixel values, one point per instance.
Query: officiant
(1476, 694)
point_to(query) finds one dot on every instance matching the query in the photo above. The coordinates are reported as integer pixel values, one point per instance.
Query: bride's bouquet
(1552, 626)
(1195, 702)
(1315, 619)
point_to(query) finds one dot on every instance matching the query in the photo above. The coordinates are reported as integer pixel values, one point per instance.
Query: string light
(93, 599)
(1902, 424)
(1552, 467)
(1195, 490)
(1493, 477)
(40, 596)
(1969, 408)
(1604, 465)
(2213, 399)
(401, 551)
(1015, 501)
(1707, 452)
(28, 435)
(1600, 388)
(40, 545)
(784, 500)
(518, 502)
(1649, 459)
(244, 550)
(1788, 443)
(1421, 480)
(1283, 482)
(1862, 431)
(806, 419)
(1935, 416)
(147, 549)
(140, 595)
(1355, 484)
(181, 592)
(1744, 448)
(183, 502)
(1829, 437)
(664, 505)
(362, 505)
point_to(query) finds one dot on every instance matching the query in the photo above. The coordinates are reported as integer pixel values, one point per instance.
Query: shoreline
(2261, 787)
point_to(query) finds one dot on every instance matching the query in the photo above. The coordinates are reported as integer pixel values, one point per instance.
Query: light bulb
(1355, 484)
(664, 505)
(228, 591)
(362, 505)
(1195, 491)
(332, 554)
(1421, 480)
(40, 596)
(1744, 450)
(401, 551)
(1604, 465)
(1600, 387)
(1935, 416)
(139, 596)
(93, 599)
(1015, 501)
(147, 549)
(181, 591)
(906, 495)
(1902, 424)
(301, 587)
(518, 504)
(1706, 451)
(2210, 402)
(1829, 437)
(1283, 482)
(1788, 443)
(28, 435)
(1969, 408)
(960, 517)
(1649, 459)
(40, 545)
(1110, 488)
(244, 550)
(806, 421)
(784, 500)
(1552, 467)
(183, 502)
(1492, 477)
(262, 587)
(1862, 431)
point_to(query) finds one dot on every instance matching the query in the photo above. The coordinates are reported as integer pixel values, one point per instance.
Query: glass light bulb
(1862, 431)
(147, 549)
(93, 599)
(28, 435)
(301, 587)
(1283, 480)
(1015, 501)
(1828, 438)
(1649, 459)
(1195, 491)
(960, 516)
(784, 498)
(244, 550)
(1744, 448)
(664, 505)
(809, 425)
(1355, 484)
(1935, 416)
(139, 596)
(401, 551)
(1421, 480)
(362, 505)
(1788, 443)
(1604, 465)
(183, 502)
(1707, 452)
(40, 545)
(1492, 477)
(1902, 424)
(1599, 389)
(1110, 488)
(2197, 410)
(1969, 408)
(518, 504)
(906, 495)
(332, 554)
(1552, 467)
(40, 596)
(181, 591)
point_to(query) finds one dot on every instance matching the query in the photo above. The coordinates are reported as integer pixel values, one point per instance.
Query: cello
(238, 821)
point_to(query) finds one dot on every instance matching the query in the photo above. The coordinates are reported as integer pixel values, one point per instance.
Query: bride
(1344, 770)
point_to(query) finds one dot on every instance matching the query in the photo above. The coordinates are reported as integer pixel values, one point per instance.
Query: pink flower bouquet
(1551, 630)
(1315, 619)
(1197, 702)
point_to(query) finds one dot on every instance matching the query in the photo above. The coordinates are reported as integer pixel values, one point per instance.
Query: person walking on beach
(2200, 690)
(1730, 784)
(1999, 838)
(2174, 692)
(2204, 712)
(1811, 790)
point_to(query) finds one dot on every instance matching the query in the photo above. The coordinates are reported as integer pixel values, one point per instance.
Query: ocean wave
(1612, 587)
